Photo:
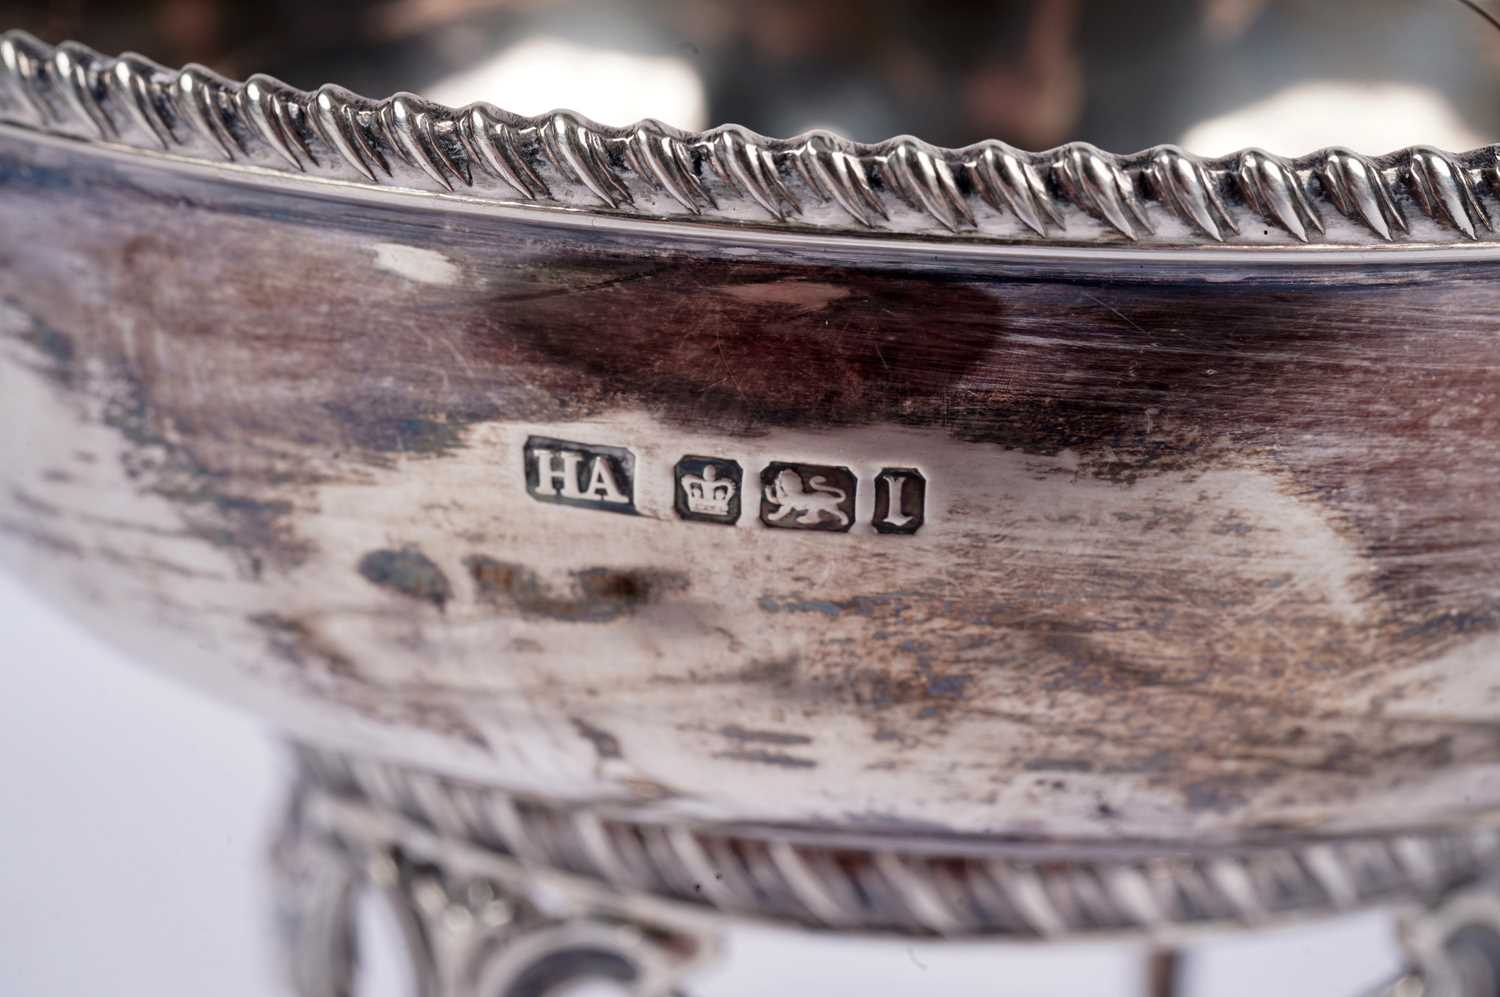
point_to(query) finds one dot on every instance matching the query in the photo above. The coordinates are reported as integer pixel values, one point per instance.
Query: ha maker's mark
(792, 496)
(580, 474)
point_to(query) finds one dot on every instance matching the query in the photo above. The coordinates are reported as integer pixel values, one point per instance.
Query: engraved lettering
(580, 474)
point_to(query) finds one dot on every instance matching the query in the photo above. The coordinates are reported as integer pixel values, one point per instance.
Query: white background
(134, 818)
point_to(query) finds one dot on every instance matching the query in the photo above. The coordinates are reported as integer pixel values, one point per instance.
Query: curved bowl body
(1090, 537)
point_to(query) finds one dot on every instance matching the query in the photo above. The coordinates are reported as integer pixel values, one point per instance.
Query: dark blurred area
(1123, 75)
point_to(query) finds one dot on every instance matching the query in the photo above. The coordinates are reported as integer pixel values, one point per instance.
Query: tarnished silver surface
(1091, 580)
(962, 542)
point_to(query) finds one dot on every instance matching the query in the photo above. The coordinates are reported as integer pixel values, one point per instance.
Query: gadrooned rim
(818, 182)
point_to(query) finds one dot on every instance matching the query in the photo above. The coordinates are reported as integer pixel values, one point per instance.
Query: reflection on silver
(816, 181)
(496, 894)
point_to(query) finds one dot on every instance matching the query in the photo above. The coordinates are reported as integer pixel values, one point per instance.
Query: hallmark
(708, 490)
(807, 497)
(900, 500)
(793, 496)
(580, 474)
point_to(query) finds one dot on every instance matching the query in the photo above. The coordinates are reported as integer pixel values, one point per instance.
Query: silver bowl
(867, 536)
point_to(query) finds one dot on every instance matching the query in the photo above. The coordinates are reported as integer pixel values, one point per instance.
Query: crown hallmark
(708, 494)
(708, 489)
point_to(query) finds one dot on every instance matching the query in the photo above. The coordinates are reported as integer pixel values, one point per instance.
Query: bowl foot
(499, 895)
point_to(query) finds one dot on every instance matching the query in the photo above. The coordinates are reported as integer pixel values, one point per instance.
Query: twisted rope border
(991, 192)
(955, 888)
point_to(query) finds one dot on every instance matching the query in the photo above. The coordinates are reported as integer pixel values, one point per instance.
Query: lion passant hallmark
(807, 497)
(708, 489)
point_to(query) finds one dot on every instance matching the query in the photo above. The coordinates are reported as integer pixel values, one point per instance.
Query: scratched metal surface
(1207, 553)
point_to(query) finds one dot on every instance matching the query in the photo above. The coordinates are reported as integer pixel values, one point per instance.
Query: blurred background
(1292, 74)
(137, 814)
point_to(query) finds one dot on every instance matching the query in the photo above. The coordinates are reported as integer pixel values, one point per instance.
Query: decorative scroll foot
(1453, 948)
(464, 930)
